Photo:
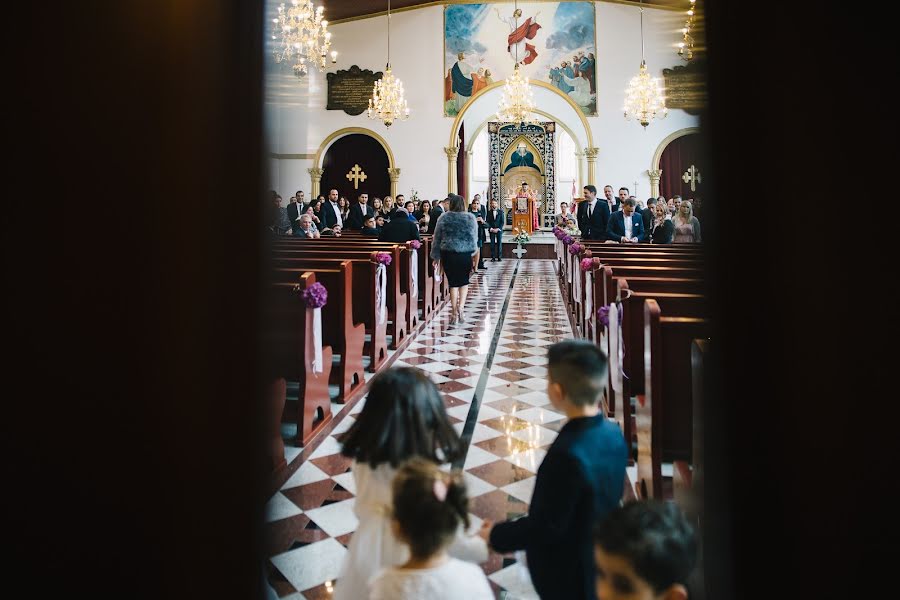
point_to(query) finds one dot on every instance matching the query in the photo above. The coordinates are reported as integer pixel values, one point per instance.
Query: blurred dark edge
(131, 443)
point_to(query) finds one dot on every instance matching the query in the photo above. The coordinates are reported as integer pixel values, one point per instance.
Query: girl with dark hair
(430, 506)
(403, 418)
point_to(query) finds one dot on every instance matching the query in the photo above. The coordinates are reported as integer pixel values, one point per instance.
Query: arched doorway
(680, 166)
(354, 164)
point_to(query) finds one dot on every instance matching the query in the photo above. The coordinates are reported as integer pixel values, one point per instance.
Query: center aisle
(493, 380)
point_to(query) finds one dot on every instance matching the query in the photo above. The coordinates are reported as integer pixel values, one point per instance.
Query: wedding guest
(400, 230)
(563, 214)
(282, 222)
(410, 207)
(403, 418)
(623, 193)
(293, 208)
(344, 205)
(304, 227)
(662, 230)
(331, 211)
(312, 209)
(593, 215)
(359, 212)
(670, 206)
(387, 208)
(481, 218)
(644, 550)
(495, 222)
(647, 213)
(454, 249)
(370, 228)
(580, 480)
(429, 508)
(626, 226)
(687, 226)
(436, 211)
(611, 202)
(423, 216)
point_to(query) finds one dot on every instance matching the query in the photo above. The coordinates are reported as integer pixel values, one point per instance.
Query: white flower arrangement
(520, 236)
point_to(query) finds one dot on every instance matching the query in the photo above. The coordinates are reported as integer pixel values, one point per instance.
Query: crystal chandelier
(686, 45)
(516, 103)
(645, 98)
(387, 102)
(305, 38)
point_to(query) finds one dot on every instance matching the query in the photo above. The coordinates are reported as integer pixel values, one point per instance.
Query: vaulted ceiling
(341, 10)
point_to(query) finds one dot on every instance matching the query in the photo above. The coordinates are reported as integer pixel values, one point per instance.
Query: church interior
(466, 299)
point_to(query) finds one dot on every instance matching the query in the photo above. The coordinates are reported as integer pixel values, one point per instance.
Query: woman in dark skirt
(454, 246)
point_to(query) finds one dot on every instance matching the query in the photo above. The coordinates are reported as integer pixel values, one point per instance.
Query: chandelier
(516, 103)
(387, 102)
(686, 45)
(644, 98)
(305, 38)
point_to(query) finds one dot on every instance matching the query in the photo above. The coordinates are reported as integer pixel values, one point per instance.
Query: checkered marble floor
(499, 390)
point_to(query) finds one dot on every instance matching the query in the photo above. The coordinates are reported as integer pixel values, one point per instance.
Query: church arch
(323, 147)
(317, 170)
(454, 129)
(654, 171)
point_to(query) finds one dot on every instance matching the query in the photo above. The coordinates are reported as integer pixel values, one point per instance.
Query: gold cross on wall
(356, 175)
(692, 176)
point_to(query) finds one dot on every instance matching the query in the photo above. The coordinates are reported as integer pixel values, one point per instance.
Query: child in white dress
(403, 418)
(429, 507)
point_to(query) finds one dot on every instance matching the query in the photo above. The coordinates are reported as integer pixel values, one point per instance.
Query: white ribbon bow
(414, 273)
(589, 294)
(437, 272)
(577, 283)
(314, 341)
(568, 265)
(381, 292)
(616, 348)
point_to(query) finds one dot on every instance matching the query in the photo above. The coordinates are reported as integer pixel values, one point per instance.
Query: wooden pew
(397, 282)
(286, 333)
(627, 375)
(373, 245)
(340, 330)
(687, 478)
(664, 419)
(364, 308)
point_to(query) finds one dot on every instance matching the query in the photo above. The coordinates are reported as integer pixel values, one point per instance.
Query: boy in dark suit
(495, 222)
(580, 480)
(626, 226)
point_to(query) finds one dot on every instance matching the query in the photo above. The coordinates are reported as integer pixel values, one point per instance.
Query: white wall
(297, 121)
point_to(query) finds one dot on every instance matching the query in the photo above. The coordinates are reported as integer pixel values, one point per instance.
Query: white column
(654, 174)
(394, 174)
(591, 154)
(451, 152)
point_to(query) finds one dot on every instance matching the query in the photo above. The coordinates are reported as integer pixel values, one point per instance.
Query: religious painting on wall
(553, 42)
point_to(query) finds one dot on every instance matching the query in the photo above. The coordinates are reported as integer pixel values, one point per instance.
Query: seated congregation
(613, 512)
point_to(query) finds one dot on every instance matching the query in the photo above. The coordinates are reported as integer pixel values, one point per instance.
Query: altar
(523, 208)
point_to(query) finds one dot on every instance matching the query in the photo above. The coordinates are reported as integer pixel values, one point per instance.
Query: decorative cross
(692, 176)
(356, 175)
(519, 251)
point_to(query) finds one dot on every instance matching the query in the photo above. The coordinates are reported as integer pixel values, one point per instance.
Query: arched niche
(316, 171)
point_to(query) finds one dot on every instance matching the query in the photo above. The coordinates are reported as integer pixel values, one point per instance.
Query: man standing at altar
(593, 215)
(525, 191)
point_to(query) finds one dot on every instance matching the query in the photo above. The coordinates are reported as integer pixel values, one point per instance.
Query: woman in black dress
(454, 250)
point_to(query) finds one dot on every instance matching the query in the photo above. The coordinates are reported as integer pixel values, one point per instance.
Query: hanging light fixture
(305, 38)
(686, 45)
(516, 103)
(387, 102)
(644, 98)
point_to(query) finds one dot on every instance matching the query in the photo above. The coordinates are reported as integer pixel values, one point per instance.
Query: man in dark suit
(580, 480)
(331, 213)
(400, 229)
(436, 211)
(294, 207)
(481, 217)
(611, 201)
(359, 212)
(626, 226)
(647, 214)
(495, 222)
(593, 215)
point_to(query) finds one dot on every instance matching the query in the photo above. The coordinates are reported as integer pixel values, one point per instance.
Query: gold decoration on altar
(356, 175)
